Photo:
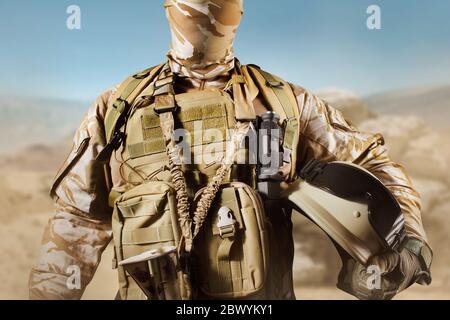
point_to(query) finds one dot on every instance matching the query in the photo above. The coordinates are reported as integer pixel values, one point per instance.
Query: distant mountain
(37, 157)
(431, 104)
(27, 121)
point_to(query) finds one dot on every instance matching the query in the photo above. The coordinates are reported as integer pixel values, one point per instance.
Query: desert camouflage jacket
(81, 228)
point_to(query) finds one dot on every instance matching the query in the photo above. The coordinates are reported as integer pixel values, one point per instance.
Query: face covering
(203, 33)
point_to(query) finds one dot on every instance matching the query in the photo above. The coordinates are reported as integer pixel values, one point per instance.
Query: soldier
(204, 81)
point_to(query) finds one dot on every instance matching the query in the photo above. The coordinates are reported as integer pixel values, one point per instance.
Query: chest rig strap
(165, 106)
(116, 114)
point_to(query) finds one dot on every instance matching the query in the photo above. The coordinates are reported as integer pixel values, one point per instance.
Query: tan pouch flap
(148, 199)
(163, 233)
(141, 206)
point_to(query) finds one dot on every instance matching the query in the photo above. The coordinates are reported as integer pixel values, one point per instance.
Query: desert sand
(413, 141)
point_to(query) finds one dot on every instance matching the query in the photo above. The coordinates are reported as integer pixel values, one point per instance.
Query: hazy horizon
(86, 102)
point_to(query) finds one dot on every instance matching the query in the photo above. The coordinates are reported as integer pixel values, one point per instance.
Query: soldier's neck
(215, 76)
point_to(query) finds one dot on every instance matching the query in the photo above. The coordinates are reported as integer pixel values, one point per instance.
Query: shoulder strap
(125, 96)
(279, 94)
(116, 113)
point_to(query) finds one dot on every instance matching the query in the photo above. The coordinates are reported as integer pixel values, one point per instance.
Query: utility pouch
(146, 238)
(232, 247)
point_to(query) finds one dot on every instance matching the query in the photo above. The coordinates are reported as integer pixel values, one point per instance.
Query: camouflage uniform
(202, 55)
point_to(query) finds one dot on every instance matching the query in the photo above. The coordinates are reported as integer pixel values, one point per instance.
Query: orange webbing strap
(282, 100)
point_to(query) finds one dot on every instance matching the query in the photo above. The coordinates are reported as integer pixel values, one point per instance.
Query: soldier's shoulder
(106, 96)
(101, 103)
(132, 80)
(297, 89)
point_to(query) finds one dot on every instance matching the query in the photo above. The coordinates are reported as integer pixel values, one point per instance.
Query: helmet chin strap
(203, 33)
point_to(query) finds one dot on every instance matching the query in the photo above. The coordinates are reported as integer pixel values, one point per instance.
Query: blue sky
(320, 43)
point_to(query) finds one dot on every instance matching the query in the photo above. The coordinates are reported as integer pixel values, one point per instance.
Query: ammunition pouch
(232, 249)
(145, 222)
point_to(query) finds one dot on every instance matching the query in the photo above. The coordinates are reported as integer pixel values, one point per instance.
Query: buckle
(117, 139)
(112, 145)
(226, 223)
(164, 104)
(274, 84)
(312, 169)
(159, 83)
(163, 80)
(141, 75)
(159, 111)
(120, 105)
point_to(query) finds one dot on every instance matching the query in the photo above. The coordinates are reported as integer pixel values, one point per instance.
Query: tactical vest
(234, 251)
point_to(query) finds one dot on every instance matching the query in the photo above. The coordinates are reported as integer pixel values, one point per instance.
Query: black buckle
(120, 105)
(117, 139)
(114, 144)
(311, 170)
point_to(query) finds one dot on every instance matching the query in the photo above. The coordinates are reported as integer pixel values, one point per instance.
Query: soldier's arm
(81, 229)
(326, 135)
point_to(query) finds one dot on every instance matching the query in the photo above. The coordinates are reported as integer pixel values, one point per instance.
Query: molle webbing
(116, 115)
(145, 148)
(210, 116)
(127, 95)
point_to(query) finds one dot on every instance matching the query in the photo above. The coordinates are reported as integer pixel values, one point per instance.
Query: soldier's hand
(383, 277)
(285, 171)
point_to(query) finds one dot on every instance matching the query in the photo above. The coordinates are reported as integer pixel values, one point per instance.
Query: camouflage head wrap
(203, 33)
